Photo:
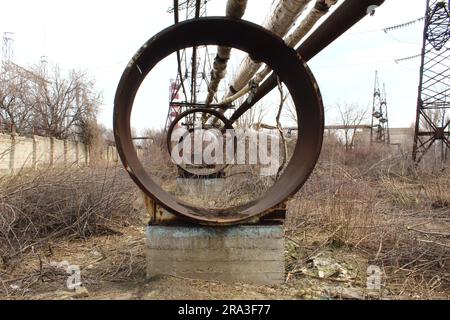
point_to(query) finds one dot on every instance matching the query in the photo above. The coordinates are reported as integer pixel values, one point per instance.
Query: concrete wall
(73, 154)
(20, 148)
(403, 137)
(400, 137)
(59, 154)
(111, 154)
(43, 151)
(5, 150)
(18, 153)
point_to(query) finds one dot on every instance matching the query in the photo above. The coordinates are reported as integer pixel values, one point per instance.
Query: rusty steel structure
(183, 89)
(379, 131)
(289, 67)
(433, 106)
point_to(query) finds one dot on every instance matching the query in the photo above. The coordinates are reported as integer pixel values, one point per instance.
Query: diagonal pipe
(342, 19)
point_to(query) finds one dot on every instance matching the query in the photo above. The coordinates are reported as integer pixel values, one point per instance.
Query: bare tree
(65, 106)
(253, 118)
(50, 105)
(351, 116)
(15, 102)
(108, 134)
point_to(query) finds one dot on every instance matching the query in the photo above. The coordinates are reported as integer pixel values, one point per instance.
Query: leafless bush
(38, 206)
(398, 218)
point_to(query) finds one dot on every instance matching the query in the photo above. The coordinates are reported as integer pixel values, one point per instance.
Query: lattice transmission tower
(433, 107)
(379, 132)
(7, 47)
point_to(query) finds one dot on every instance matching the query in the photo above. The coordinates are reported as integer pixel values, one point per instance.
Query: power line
(390, 28)
(368, 63)
(403, 25)
(402, 41)
(408, 58)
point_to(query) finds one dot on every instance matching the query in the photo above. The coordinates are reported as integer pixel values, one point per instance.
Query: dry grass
(367, 207)
(42, 205)
(396, 217)
(67, 214)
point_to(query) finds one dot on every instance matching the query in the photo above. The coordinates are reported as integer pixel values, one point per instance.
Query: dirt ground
(113, 267)
(343, 222)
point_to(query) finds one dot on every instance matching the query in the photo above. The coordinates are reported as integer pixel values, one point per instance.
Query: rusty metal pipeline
(343, 18)
(288, 64)
(266, 47)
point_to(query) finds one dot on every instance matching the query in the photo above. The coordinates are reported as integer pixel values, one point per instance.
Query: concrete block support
(210, 188)
(246, 254)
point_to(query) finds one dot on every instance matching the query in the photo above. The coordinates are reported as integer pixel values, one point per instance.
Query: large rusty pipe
(263, 46)
(269, 49)
(342, 19)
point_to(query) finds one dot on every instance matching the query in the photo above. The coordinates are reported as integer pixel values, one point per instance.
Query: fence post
(77, 153)
(52, 152)
(34, 165)
(12, 153)
(86, 155)
(65, 153)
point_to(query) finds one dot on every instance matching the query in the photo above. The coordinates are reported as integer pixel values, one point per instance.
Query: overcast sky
(100, 36)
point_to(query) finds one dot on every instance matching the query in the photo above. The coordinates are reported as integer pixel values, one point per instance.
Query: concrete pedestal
(246, 254)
